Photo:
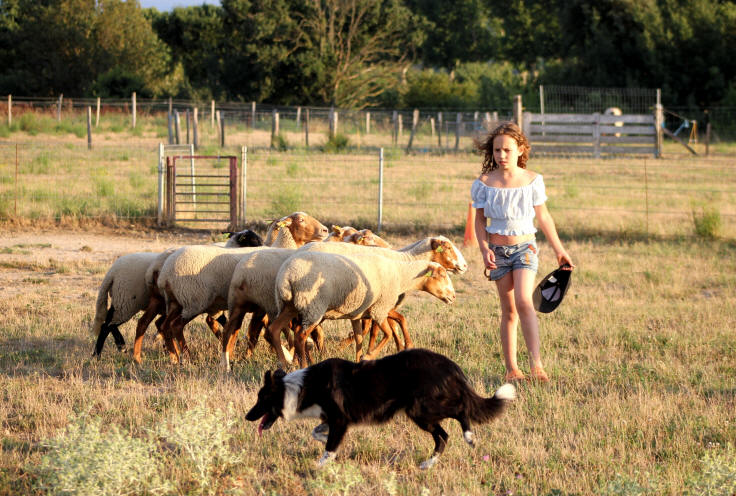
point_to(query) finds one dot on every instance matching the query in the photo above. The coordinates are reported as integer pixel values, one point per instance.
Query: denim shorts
(514, 257)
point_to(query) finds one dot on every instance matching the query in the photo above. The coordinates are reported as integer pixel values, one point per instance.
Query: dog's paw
(469, 438)
(427, 464)
(326, 458)
(320, 432)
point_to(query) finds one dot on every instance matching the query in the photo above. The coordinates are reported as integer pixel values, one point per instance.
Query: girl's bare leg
(509, 320)
(523, 286)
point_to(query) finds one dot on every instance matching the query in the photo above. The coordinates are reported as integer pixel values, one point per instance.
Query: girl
(511, 196)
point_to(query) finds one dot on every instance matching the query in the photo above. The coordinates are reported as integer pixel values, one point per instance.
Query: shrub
(707, 223)
(84, 459)
(718, 476)
(279, 143)
(203, 437)
(336, 144)
(286, 200)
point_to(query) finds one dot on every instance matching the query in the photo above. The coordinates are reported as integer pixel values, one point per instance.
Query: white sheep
(252, 287)
(196, 280)
(312, 285)
(438, 249)
(126, 287)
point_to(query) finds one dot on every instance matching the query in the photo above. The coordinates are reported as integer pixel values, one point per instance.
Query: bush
(279, 143)
(707, 223)
(287, 200)
(336, 144)
(718, 477)
(87, 460)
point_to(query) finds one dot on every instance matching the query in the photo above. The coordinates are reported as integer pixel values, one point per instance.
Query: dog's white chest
(293, 384)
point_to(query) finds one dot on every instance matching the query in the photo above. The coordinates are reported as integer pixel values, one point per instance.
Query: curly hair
(485, 145)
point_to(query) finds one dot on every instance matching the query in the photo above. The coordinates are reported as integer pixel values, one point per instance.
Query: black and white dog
(427, 386)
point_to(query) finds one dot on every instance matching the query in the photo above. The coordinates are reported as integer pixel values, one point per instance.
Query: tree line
(369, 53)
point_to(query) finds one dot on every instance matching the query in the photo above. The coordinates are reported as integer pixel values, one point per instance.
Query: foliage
(336, 144)
(707, 223)
(88, 458)
(718, 474)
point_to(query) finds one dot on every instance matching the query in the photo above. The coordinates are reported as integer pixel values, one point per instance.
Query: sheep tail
(481, 409)
(101, 305)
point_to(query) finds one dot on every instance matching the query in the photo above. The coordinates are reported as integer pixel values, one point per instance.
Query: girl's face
(506, 151)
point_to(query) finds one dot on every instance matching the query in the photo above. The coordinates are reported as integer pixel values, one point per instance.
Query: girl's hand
(489, 259)
(564, 259)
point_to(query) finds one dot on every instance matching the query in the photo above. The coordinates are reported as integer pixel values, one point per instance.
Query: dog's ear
(279, 374)
(267, 378)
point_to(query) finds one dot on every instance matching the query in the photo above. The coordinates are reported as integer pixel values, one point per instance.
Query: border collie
(427, 386)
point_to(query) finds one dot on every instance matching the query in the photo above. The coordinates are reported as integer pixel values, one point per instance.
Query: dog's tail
(481, 409)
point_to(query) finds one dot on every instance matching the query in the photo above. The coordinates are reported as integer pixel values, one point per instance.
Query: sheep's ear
(429, 273)
(279, 374)
(336, 229)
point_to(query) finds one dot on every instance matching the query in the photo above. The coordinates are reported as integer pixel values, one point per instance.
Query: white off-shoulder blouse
(511, 210)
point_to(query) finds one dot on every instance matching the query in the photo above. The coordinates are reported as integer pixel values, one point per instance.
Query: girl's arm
(547, 225)
(489, 259)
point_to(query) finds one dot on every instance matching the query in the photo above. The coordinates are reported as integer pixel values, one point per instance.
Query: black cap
(551, 289)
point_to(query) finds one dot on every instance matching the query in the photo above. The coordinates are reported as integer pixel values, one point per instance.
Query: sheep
(252, 286)
(196, 280)
(128, 291)
(436, 248)
(350, 234)
(312, 285)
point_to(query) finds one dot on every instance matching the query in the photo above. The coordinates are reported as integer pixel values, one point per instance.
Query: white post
(367, 123)
(97, 118)
(134, 109)
(380, 189)
(212, 114)
(89, 127)
(243, 203)
(10, 110)
(58, 107)
(298, 117)
(191, 169)
(541, 105)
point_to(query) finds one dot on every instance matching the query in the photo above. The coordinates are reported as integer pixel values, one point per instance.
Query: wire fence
(675, 196)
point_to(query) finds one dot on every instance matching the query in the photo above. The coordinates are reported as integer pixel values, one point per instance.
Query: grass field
(641, 353)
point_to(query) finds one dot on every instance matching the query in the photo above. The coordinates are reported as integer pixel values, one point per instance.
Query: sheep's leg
(318, 336)
(374, 335)
(386, 328)
(399, 319)
(214, 325)
(258, 322)
(230, 335)
(179, 327)
(174, 312)
(358, 326)
(149, 314)
(273, 333)
(300, 342)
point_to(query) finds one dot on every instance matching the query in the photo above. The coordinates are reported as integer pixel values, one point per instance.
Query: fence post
(97, 116)
(380, 190)
(243, 203)
(89, 128)
(394, 131)
(177, 127)
(191, 172)
(414, 124)
(367, 123)
(171, 132)
(252, 115)
(458, 123)
(306, 128)
(298, 117)
(597, 134)
(526, 126)
(10, 110)
(274, 127)
(212, 114)
(135, 109)
(195, 127)
(658, 136)
(517, 110)
(160, 209)
(58, 107)
(187, 116)
(222, 128)
(219, 127)
(171, 105)
(439, 130)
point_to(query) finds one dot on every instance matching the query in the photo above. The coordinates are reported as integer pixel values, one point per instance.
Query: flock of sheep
(300, 275)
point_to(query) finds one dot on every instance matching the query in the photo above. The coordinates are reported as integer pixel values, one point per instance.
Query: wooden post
(222, 129)
(395, 130)
(414, 125)
(58, 107)
(274, 127)
(331, 123)
(431, 125)
(171, 106)
(298, 117)
(495, 116)
(134, 109)
(177, 127)
(517, 110)
(217, 120)
(439, 130)
(195, 128)
(212, 115)
(458, 123)
(659, 135)
(306, 128)
(171, 132)
(97, 117)
(400, 130)
(252, 115)
(367, 123)
(475, 119)
(596, 134)
(707, 131)
(187, 119)
(89, 128)
(10, 110)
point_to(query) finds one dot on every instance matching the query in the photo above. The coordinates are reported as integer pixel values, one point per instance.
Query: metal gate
(207, 195)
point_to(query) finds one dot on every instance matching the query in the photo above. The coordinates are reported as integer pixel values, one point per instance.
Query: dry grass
(641, 356)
